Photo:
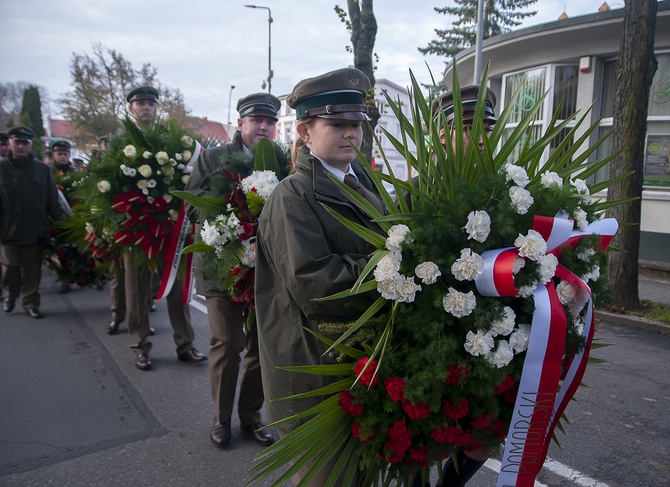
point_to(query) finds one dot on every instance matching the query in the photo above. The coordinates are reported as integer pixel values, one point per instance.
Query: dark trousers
(228, 340)
(117, 292)
(22, 273)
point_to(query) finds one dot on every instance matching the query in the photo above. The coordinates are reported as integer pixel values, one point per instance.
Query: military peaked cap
(60, 145)
(20, 133)
(142, 93)
(261, 104)
(338, 94)
(469, 96)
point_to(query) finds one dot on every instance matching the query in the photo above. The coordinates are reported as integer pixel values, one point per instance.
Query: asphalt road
(74, 411)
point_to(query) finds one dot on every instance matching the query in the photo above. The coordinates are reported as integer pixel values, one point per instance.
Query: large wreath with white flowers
(128, 205)
(486, 272)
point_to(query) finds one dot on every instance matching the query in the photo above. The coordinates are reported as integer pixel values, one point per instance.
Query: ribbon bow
(540, 402)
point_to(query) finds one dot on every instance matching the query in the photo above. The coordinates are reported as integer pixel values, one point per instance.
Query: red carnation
(482, 421)
(368, 377)
(419, 455)
(498, 428)
(398, 437)
(456, 374)
(504, 385)
(356, 432)
(473, 445)
(455, 411)
(395, 387)
(510, 394)
(416, 411)
(446, 434)
(350, 405)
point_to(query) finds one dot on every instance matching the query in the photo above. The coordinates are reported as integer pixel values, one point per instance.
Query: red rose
(350, 405)
(395, 387)
(455, 411)
(369, 378)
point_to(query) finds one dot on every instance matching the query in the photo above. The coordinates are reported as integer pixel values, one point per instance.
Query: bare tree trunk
(636, 66)
(363, 35)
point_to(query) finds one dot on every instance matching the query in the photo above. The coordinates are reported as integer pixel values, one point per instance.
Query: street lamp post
(230, 93)
(269, 43)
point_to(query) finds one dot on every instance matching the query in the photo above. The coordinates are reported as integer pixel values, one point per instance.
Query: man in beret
(61, 155)
(469, 95)
(28, 196)
(136, 282)
(257, 120)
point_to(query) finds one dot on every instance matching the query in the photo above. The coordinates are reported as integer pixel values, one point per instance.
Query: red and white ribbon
(541, 399)
(172, 254)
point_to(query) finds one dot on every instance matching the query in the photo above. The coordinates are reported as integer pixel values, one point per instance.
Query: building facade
(573, 60)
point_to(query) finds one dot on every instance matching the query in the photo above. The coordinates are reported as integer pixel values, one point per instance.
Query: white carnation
(520, 338)
(518, 264)
(526, 291)
(566, 292)
(502, 355)
(478, 226)
(517, 174)
(390, 288)
(261, 183)
(586, 254)
(531, 246)
(549, 179)
(469, 267)
(478, 344)
(580, 219)
(407, 289)
(505, 325)
(548, 264)
(592, 275)
(147, 154)
(578, 324)
(428, 272)
(459, 304)
(521, 199)
(387, 268)
(397, 235)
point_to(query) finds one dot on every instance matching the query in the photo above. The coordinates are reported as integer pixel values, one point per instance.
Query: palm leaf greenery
(415, 343)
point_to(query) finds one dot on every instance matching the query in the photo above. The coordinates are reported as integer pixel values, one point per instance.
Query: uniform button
(331, 354)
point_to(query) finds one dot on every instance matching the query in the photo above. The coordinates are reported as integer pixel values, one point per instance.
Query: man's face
(466, 135)
(20, 148)
(256, 127)
(61, 156)
(4, 148)
(143, 110)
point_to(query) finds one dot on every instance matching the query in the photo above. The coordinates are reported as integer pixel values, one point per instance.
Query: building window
(657, 143)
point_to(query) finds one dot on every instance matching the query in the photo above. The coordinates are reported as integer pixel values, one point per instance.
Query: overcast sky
(203, 47)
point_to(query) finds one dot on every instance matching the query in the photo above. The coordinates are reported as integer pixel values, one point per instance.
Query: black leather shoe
(264, 437)
(143, 362)
(192, 356)
(220, 434)
(8, 305)
(152, 332)
(34, 313)
(113, 327)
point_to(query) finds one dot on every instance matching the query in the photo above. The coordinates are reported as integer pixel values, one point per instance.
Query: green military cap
(60, 145)
(142, 93)
(103, 138)
(47, 153)
(469, 96)
(20, 133)
(261, 104)
(4, 138)
(338, 94)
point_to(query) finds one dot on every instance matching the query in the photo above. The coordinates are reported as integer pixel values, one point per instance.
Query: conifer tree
(499, 17)
(31, 111)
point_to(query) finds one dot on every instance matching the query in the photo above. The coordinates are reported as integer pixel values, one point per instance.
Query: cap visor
(345, 116)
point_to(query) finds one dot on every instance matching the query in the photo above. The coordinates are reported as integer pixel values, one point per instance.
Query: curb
(634, 321)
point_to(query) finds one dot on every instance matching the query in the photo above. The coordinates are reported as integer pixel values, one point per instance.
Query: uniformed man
(48, 157)
(61, 156)
(257, 120)
(28, 196)
(142, 103)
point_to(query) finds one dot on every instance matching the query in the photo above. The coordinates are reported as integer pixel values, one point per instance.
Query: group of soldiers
(32, 192)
